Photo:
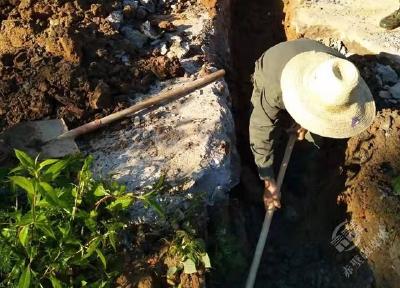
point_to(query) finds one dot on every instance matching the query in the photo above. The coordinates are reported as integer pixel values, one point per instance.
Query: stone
(164, 49)
(178, 48)
(130, 8)
(149, 5)
(395, 91)
(387, 74)
(132, 3)
(129, 12)
(141, 13)
(137, 39)
(71, 49)
(149, 31)
(385, 94)
(188, 150)
(101, 96)
(116, 18)
(96, 9)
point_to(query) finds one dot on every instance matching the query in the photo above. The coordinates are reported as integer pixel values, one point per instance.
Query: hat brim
(299, 101)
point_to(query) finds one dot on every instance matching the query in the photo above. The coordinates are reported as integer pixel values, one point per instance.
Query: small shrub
(58, 226)
(190, 251)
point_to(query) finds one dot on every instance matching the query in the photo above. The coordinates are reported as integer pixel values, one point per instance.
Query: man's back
(272, 62)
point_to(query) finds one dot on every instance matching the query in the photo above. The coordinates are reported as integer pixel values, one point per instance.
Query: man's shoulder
(301, 45)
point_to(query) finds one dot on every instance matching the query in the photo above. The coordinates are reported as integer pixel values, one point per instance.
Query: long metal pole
(269, 214)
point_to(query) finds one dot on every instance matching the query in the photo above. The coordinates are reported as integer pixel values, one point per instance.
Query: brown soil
(373, 205)
(64, 60)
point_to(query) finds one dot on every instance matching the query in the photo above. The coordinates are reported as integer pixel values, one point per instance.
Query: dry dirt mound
(68, 60)
(373, 161)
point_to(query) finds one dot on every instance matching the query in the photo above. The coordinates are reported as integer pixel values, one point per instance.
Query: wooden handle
(251, 278)
(285, 162)
(161, 97)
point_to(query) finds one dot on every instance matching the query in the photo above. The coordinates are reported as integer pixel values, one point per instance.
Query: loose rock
(116, 18)
(149, 5)
(178, 48)
(164, 49)
(148, 30)
(395, 91)
(385, 94)
(387, 74)
(141, 13)
(137, 39)
(101, 96)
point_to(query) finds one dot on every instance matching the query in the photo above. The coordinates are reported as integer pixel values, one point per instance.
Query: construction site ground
(81, 60)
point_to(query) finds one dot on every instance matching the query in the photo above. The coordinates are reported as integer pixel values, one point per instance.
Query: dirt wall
(373, 204)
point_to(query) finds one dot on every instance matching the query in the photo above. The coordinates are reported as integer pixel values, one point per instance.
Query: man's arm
(262, 125)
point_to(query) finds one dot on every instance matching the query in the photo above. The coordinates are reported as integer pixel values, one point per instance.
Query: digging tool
(269, 214)
(51, 138)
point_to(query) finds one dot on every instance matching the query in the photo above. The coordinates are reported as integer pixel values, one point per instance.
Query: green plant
(396, 185)
(190, 252)
(228, 255)
(58, 226)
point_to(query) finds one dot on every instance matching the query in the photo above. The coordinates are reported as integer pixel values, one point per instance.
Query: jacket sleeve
(262, 125)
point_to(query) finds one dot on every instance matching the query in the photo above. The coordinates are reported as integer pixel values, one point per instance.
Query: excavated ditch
(332, 197)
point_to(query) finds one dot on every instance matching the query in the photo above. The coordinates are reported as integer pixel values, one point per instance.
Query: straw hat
(326, 95)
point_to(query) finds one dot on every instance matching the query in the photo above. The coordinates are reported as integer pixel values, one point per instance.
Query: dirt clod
(65, 59)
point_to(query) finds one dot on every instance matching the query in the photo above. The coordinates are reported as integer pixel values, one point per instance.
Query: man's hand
(301, 133)
(271, 197)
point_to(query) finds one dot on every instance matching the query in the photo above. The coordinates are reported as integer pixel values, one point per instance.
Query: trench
(298, 252)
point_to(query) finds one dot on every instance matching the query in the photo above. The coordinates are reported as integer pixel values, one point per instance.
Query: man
(321, 91)
(392, 21)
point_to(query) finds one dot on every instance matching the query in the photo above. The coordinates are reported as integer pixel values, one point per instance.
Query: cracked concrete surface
(354, 22)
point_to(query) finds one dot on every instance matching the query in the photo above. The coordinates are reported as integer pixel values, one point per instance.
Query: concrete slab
(191, 141)
(354, 22)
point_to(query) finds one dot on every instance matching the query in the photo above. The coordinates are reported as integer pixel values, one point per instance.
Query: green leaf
(86, 164)
(151, 202)
(396, 185)
(120, 203)
(100, 191)
(24, 158)
(23, 235)
(206, 260)
(55, 169)
(55, 282)
(24, 183)
(47, 162)
(25, 279)
(51, 195)
(6, 233)
(46, 229)
(113, 239)
(189, 266)
(92, 247)
(160, 183)
(16, 169)
(26, 219)
(102, 258)
(3, 173)
(91, 224)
